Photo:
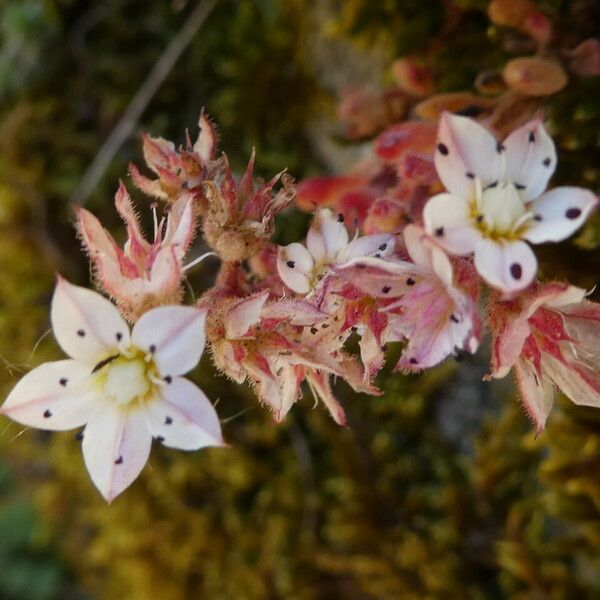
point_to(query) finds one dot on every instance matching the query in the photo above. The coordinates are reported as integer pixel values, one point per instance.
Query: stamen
(198, 260)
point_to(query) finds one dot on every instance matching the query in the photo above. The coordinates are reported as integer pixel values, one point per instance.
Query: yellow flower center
(500, 212)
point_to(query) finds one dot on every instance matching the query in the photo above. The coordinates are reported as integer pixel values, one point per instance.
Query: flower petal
(297, 312)
(530, 158)
(116, 446)
(465, 151)
(86, 325)
(244, 314)
(183, 417)
(447, 219)
(206, 143)
(571, 382)
(426, 254)
(559, 213)
(327, 236)
(378, 245)
(174, 335)
(54, 396)
(321, 387)
(294, 263)
(509, 266)
(536, 393)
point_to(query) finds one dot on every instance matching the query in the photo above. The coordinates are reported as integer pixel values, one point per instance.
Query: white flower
(496, 199)
(327, 243)
(126, 388)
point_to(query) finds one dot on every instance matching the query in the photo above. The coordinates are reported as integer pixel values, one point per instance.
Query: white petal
(537, 395)
(86, 325)
(116, 445)
(326, 237)
(378, 245)
(426, 254)
(530, 158)
(559, 213)
(174, 335)
(183, 417)
(506, 266)
(55, 396)
(448, 220)
(294, 264)
(243, 315)
(465, 151)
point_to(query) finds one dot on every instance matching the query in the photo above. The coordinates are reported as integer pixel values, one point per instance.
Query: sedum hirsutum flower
(124, 386)
(496, 201)
(327, 244)
(550, 337)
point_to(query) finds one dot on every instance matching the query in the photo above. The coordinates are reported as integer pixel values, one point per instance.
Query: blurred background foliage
(438, 489)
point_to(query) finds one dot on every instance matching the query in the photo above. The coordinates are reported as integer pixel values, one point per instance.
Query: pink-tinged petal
(206, 143)
(54, 396)
(380, 278)
(86, 325)
(571, 382)
(508, 266)
(559, 213)
(530, 158)
(327, 191)
(321, 388)
(379, 245)
(150, 187)
(111, 267)
(243, 315)
(183, 417)
(183, 225)
(426, 254)
(465, 151)
(448, 220)
(294, 263)
(371, 354)
(164, 283)
(291, 377)
(267, 387)
(116, 446)
(174, 335)
(158, 153)
(297, 312)
(573, 295)
(435, 324)
(136, 245)
(536, 393)
(326, 237)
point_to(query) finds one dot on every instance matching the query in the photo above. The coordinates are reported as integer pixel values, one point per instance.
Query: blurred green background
(438, 489)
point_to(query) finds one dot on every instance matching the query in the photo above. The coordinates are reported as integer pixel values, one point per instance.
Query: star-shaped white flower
(125, 387)
(327, 244)
(496, 201)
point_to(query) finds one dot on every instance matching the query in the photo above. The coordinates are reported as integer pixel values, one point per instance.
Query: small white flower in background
(327, 243)
(496, 202)
(125, 387)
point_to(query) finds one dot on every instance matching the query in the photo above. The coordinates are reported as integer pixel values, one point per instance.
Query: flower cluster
(404, 254)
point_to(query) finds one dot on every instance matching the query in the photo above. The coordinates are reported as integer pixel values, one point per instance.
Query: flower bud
(585, 58)
(412, 78)
(534, 76)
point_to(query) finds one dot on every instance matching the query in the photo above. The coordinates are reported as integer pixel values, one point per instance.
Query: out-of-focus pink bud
(463, 103)
(319, 192)
(386, 215)
(510, 13)
(522, 15)
(585, 58)
(412, 78)
(538, 26)
(534, 76)
(366, 110)
(410, 137)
